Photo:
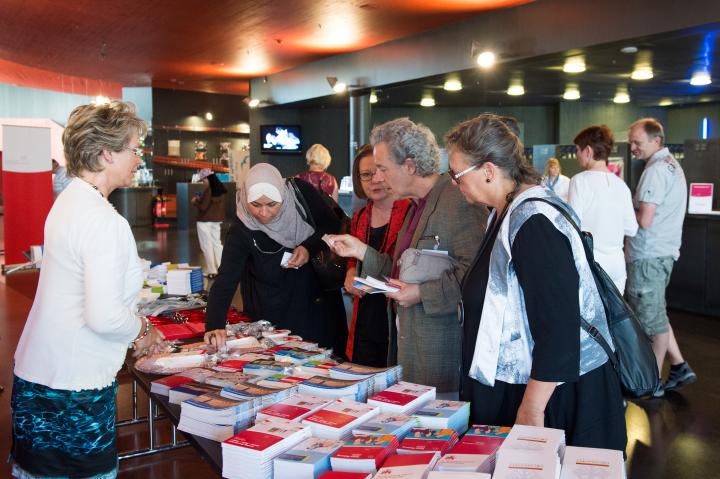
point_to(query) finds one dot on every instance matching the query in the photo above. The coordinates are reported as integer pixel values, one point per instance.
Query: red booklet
(331, 418)
(390, 397)
(421, 459)
(175, 331)
(285, 411)
(235, 364)
(257, 441)
(478, 445)
(173, 381)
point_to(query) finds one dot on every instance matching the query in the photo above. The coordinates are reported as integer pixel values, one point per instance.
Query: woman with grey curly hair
(428, 340)
(83, 317)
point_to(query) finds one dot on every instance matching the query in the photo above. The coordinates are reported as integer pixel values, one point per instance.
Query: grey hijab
(287, 228)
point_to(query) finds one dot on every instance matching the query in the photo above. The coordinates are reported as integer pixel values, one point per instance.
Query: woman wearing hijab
(289, 295)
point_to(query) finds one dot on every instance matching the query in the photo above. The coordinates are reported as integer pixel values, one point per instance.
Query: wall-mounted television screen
(280, 139)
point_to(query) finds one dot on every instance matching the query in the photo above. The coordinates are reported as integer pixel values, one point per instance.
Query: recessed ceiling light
(253, 103)
(700, 78)
(665, 102)
(486, 59)
(516, 90)
(373, 98)
(208, 116)
(574, 64)
(629, 49)
(621, 97)
(452, 85)
(427, 101)
(571, 93)
(642, 73)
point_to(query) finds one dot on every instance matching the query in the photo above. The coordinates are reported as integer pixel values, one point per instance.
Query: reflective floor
(676, 437)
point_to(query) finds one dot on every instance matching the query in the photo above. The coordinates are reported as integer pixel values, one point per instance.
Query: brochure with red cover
(427, 440)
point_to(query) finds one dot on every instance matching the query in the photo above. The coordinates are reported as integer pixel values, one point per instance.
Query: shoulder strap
(589, 328)
(301, 205)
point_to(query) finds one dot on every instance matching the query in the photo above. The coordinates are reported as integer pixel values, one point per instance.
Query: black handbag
(329, 267)
(633, 358)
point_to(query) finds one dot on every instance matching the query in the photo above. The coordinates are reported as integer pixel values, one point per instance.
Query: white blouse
(83, 316)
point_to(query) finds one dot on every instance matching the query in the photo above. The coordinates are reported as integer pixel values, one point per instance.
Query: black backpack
(633, 358)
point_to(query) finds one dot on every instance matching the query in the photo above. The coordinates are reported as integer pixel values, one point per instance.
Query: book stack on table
(583, 462)
(403, 397)
(428, 440)
(535, 451)
(382, 378)
(364, 453)
(250, 454)
(183, 281)
(339, 418)
(294, 408)
(307, 460)
(354, 390)
(386, 423)
(408, 466)
(249, 390)
(476, 450)
(441, 414)
(215, 417)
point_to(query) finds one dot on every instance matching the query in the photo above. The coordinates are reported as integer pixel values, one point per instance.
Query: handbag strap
(305, 210)
(589, 328)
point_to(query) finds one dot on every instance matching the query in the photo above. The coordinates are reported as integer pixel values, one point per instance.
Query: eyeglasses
(457, 176)
(367, 175)
(136, 150)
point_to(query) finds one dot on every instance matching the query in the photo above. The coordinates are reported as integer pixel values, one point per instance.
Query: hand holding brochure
(371, 285)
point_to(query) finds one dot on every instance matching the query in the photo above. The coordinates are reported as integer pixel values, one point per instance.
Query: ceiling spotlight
(427, 101)
(516, 87)
(339, 87)
(208, 116)
(629, 49)
(574, 64)
(253, 103)
(642, 73)
(571, 93)
(453, 85)
(700, 78)
(665, 102)
(373, 98)
(486, 59)
(622, 95)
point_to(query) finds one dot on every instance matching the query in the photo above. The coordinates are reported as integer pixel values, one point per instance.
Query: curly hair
(92, 129)
(408, 140)
(318, 155)
(487, 138)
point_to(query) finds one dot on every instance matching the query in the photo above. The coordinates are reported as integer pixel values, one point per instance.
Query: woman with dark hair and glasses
(377, 224)
(211, 214)
(526, 358)
(269, 227)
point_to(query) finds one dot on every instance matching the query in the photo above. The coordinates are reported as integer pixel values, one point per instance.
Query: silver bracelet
(145, 333)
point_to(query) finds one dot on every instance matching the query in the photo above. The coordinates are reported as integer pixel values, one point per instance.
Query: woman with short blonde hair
(318, 160)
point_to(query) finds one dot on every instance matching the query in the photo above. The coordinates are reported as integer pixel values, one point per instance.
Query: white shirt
(560, 186)
(82, 319)
(604, 204)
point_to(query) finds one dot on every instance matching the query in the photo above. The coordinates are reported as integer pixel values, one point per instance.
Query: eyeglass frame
(136, 150)
(456, 176)
(368, 178)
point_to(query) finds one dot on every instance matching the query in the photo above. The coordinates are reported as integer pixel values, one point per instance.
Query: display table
(211, 451)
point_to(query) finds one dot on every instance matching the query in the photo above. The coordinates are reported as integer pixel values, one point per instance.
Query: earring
(487, 180)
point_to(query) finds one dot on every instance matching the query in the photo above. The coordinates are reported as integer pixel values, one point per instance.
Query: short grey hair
(406, 139)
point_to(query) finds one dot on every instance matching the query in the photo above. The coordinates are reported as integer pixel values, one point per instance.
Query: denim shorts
(647, 280)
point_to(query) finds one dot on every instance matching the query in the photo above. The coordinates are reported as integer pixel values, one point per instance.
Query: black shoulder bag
(329, 267)
(633, 358)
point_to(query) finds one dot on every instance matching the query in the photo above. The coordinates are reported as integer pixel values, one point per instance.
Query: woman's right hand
(349, 280)
(347, 246)
(153, 342)
(217, 338)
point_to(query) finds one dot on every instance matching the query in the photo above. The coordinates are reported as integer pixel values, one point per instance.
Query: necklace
(94, 187)
(266, 252)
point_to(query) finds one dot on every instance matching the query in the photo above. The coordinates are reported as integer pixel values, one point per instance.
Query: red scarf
(360, 228)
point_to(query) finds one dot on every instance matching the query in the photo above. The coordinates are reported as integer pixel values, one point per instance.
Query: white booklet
(371, 285)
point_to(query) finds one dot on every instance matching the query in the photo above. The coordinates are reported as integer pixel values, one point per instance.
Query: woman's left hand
(299, 257)
(530, 416)
(409, 294)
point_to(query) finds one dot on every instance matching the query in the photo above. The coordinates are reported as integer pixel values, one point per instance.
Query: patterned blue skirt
(60, 433)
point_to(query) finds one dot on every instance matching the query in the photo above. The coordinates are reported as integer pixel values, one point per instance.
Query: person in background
(407, 158)
(376, 224)
(83, 317)
(318, 160)
(526, 358)
(211, 214)
(268, 248)
(555, 180)
(60, 178)
(660, 202)
(602, 201)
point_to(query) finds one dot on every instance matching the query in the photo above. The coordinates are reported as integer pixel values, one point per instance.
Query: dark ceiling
(674, 57)
(213, 46)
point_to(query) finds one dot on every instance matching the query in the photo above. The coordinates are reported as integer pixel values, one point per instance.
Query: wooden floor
(676, 437)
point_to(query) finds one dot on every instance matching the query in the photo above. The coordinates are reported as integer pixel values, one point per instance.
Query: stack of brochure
(428, 440)
(386, 423)
(382, 378)
(190, 390)
(247, 390)
(315, 368)
(294, 408)
(582, 462)
(250, 453)
(476, 450)
(403, 397)
(363, 453)
(513, 463)
(266, 367)
(336, 388)
(184, 281)
(307, 460)
(442, 414)
(280, 381)
(215, 417)
(228, 378)
(299, 356)
(408, 466)
(534, 438)
(339, 418)
(163, 385)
